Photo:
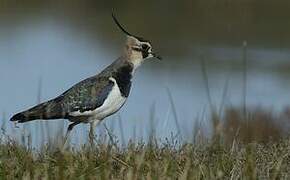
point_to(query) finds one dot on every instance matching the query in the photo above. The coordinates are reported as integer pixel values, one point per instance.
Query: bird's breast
(113, 102)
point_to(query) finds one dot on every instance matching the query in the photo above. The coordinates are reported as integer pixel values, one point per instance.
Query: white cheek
(150, 56)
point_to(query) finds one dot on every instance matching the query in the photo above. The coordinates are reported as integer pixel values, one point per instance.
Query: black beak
(156, 56)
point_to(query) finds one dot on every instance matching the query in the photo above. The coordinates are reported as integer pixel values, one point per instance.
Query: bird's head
(137, 49)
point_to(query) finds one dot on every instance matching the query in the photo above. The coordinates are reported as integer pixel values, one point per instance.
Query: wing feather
(87, 95)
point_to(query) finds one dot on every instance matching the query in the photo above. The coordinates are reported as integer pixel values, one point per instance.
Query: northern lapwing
(97, 97)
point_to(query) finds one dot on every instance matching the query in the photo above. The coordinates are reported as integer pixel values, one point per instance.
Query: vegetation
(252, 152)
(140, 161)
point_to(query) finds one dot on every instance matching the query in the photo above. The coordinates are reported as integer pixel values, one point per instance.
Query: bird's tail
(47, 110)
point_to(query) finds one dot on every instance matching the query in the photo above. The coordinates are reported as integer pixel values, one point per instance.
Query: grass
(148, 161)
(242, 151)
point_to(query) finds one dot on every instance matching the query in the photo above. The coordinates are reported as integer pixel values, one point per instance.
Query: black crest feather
(124, 30)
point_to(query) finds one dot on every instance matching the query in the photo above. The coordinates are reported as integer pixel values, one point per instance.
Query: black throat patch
(123, 76)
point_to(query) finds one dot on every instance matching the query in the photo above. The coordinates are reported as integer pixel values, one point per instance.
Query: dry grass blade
(174, 114)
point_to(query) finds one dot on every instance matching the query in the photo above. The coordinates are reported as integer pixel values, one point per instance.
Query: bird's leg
(93, 125)
(69, 129)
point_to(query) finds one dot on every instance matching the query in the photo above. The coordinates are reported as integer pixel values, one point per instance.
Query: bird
(99, 96)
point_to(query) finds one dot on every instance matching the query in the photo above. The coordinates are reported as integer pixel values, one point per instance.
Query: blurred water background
(48, 46)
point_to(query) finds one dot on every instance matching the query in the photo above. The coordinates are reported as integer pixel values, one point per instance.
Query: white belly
(111, 105)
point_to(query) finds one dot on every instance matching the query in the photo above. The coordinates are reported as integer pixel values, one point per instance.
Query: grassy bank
(242, 146)
(148, 161)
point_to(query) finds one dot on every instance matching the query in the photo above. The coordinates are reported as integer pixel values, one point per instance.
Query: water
(51, 55)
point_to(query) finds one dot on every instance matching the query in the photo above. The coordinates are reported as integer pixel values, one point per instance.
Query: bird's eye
(145, 46)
